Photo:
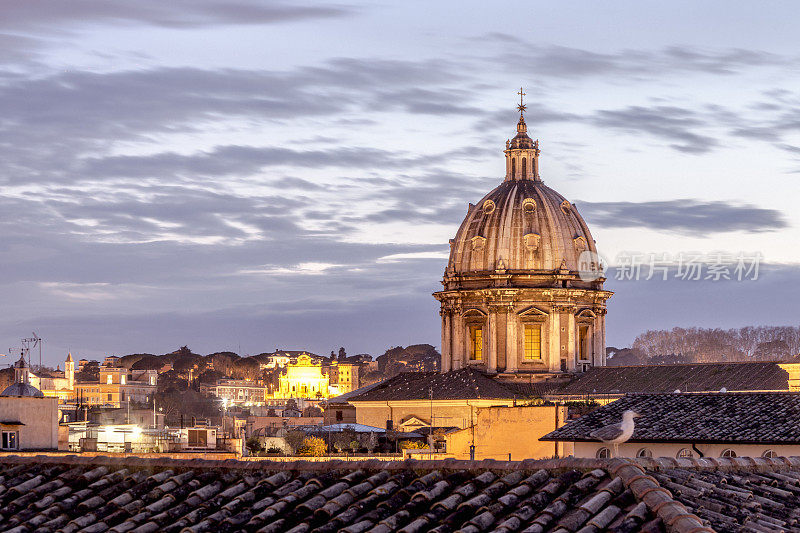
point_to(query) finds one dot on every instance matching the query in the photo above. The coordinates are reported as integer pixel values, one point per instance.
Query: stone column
(491, 341)
(554, 355)
(597, 356)
(571, 342)
(602, 319)
(458, 343)
(512, 344)
(447, 352)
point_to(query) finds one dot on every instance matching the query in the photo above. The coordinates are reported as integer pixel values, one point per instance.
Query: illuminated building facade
(303, 379)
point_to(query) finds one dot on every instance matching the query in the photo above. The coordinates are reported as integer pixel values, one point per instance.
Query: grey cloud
(673, 124)
(242, 160)
(41, 15)
(567, 62)
(690, 217)
(87, 113)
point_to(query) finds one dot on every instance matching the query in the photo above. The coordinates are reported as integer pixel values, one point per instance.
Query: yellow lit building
(56, 384)
(303, 379)
(116, 386)
(348, 377)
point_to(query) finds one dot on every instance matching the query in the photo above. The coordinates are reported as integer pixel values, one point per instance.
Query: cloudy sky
(244, 175)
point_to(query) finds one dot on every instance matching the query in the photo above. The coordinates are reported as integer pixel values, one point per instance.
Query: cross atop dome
(522, 107)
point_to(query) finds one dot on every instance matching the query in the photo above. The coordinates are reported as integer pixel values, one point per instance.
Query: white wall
(589, 449)
(40, 419)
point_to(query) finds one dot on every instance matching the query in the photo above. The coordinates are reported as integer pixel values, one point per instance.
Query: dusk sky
(251, 175)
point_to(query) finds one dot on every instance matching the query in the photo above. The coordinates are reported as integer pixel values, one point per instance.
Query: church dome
(522, 226)
(22, 389)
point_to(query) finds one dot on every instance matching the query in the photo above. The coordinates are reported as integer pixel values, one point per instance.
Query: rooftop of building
(22, 390)
(722, 417)
(686, 377)
(462, 384)
(559, 495)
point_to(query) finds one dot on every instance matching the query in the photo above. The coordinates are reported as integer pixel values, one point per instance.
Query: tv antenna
(32, 342)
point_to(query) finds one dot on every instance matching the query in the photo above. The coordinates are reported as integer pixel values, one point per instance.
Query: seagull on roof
(616, 434)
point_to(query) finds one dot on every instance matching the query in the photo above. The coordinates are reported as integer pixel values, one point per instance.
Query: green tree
(253, 445)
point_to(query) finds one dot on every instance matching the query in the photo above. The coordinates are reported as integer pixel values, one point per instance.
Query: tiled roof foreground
(73, 494)
(730, 417)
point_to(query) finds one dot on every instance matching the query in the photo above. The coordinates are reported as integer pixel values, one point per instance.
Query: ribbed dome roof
(22, 389)
(520, 225)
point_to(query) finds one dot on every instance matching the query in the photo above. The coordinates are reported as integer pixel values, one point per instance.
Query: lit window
(109, 379)
(644, 452)
(122, 379)
(583, 342)
(685, 453)
(728, 453)
(10, 440)
(476, 343)
(769, 454)
(603, 453)
(533, 342)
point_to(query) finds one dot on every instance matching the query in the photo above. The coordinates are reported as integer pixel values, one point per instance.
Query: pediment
(532, 311)
(473, 311)
(414, 421)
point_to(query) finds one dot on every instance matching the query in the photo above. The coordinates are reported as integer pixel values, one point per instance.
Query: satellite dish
(723, 389)
(677, 391)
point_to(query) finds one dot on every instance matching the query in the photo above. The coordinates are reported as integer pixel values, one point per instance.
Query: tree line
(706, 345)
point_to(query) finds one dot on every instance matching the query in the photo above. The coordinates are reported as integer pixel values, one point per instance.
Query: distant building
(236, 391)
(56, 384)
(303, 379)
(28, 419)
(117, 386)
(694, 425)
(111, 360)
(347, 377)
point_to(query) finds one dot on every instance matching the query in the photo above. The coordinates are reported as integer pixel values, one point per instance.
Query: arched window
(524, 168)
(769, 454)
(644, 452)
(513, 168)
(685, 453)
(728, 453)
(603, 453)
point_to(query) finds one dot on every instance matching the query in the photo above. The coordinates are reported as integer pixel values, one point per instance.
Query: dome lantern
(522, 152)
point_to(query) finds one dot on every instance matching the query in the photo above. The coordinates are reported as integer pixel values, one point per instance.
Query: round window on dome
(566, 207)
(529, 205)
(488, 207)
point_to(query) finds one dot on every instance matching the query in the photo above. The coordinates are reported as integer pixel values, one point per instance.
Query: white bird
(616, 434)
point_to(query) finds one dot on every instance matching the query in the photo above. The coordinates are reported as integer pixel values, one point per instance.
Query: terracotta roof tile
(564, 495)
